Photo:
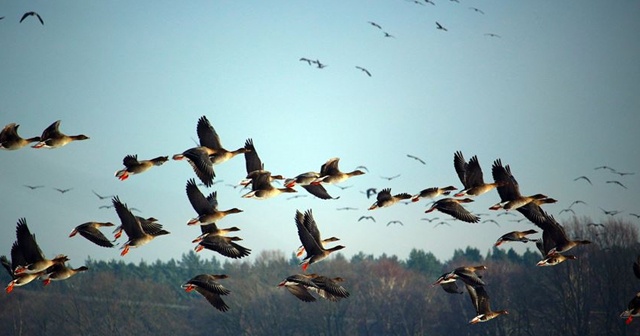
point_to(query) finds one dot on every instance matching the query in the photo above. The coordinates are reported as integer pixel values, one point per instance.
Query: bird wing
(207, 134)
(9, 132)
(309, 237)
(225, 247)
(383, 195)
(208, 283)
(417, 158)
(301, 292)
(199, 203)
(329, 289)
(469, 277)
(473, 295)
(474, 172)
(51, 131)
(209, 228)
(130, 161)
(260, 180)
(533, 213)
(461, 167)
(252, 160)
(130, 223)
(27, 243)
(458, 211)
(508, 187)
(24, 16)
(483, 300)
(451, 287)
(318, 191)
(214, 299)
(330, 167)
(7, 265)
(201, 164)
(95, 236)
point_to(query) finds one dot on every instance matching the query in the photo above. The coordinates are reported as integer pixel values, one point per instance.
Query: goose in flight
(374, 24)
(25, 15)
(416, 158)
(364, 70)
(583, 178)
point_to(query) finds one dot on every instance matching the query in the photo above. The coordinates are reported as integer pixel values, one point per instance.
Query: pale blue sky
(554, 97)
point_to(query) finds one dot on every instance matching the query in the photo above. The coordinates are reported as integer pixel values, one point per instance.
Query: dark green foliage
(388, 296)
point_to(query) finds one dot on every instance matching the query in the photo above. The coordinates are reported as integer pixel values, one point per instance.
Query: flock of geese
(28, 262)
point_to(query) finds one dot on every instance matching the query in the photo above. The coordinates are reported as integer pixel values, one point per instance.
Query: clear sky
(554, 96)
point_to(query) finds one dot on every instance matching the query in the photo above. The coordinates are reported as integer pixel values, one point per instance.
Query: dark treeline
(388, 296)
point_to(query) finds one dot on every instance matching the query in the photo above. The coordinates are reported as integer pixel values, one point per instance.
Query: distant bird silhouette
(492, 35)
(33, 187)
(430, 2)
(388, 35)
(389, 178)
(24, 16)
(105, 207)
(102, 197)
(320, 65)
(491, 221)
(439, 26)
(430, 219)
(634, 215)
(577, 202)
(441, 223)
(296, 196)
(367, 217)
(618, 183)
(605, 167)
(62, 191)
(395, 222)
(343, 187)
(583, 178)
(364, 70)
(567, 210)
(347, 208)
(505, 214)
(306, 60)
(418, 2)
(416, 158)
(476, 10)
(623, 174)
(517, 220)
(610, 212)
(374, 24)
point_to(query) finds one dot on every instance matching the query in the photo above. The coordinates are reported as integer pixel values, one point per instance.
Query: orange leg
(125, 250)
